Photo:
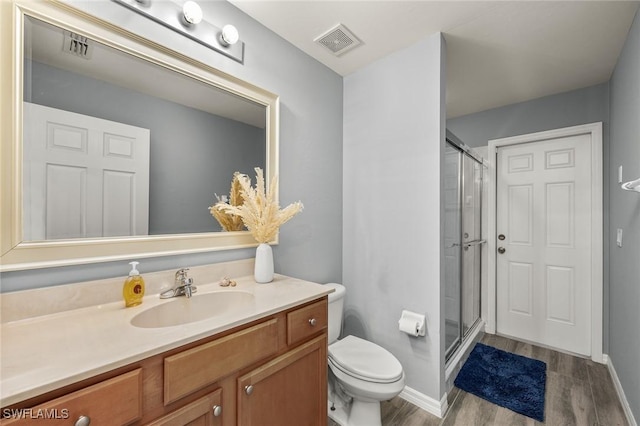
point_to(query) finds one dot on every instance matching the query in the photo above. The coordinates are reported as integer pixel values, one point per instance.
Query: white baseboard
(433, 406)
(619, 390)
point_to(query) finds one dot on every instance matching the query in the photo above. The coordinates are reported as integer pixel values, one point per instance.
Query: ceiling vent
(77, 45)
(338, 40)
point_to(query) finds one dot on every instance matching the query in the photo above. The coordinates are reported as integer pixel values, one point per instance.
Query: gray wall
(310, 149)
(582, 106)
(193, 153)
(624, 213)
(393, 149)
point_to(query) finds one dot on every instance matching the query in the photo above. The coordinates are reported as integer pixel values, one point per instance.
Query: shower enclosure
(462, 241)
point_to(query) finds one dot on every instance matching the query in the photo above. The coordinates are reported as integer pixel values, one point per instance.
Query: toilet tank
(336, 305)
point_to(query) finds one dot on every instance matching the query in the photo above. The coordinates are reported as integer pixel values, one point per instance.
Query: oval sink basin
(181, 310)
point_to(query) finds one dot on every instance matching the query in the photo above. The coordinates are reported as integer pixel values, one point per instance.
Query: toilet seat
(365, 360)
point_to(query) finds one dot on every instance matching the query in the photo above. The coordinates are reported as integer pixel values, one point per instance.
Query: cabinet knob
(312, 322)
(248, 389)
(217, 410)
(83, 421)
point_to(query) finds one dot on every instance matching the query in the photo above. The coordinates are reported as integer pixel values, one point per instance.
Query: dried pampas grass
(229, 221)
(260, 211)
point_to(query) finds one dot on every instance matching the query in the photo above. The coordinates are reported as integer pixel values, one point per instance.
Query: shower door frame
(462, 334)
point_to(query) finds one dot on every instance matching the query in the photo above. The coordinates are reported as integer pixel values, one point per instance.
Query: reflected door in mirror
(83, 176)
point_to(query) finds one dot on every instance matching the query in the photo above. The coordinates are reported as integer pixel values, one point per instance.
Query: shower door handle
(474, 243)
(501, 250)
(465, 246)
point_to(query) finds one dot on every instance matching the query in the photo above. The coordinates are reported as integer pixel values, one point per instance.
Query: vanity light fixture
(187, 20)
(192, 12)
(229, 35)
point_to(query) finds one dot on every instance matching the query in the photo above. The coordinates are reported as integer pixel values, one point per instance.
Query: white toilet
(361, 373)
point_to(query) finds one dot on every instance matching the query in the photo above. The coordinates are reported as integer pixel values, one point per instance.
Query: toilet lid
(365, 360)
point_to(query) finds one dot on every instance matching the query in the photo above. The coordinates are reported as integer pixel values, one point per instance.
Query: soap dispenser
(133, 289)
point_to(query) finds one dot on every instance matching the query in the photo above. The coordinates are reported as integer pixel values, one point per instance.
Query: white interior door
(83, 176)
(543, 223)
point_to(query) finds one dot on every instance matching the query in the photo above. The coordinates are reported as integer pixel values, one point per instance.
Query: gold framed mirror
(24, 245)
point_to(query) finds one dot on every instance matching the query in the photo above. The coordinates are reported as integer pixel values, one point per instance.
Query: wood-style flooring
(578, 392)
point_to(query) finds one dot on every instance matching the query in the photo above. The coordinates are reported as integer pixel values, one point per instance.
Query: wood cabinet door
(206, 411)
(290, 390)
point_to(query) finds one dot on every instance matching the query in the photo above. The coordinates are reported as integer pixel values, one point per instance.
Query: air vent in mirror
(77, 45)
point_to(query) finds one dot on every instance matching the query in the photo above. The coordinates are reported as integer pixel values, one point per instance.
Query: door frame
(595, 131)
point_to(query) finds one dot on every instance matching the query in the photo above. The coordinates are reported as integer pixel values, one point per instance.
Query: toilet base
(365, 413)
(358, 413)
(339, 414)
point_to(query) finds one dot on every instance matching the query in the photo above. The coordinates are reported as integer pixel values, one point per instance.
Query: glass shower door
(462, 176)
(471, 241)
(452, 213)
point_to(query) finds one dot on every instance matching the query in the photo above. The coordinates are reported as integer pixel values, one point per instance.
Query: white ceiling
(498, 52)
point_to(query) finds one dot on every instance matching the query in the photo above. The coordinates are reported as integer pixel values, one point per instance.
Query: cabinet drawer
(206, 411)
(195, 368)
(114, 401)
(306, 321)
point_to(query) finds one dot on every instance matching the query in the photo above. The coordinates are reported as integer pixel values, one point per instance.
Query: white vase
(263, 270)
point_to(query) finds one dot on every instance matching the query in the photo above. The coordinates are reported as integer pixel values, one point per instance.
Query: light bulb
(229, 35)
(192, 12)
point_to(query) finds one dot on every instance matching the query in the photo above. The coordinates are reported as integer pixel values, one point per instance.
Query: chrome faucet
(183, 286)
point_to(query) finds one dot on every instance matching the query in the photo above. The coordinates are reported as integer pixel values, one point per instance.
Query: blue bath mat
(505, 379)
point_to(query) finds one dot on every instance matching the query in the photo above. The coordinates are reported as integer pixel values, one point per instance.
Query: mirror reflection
(118, 146)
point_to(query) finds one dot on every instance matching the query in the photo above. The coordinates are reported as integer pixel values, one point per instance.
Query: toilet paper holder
(412, 323)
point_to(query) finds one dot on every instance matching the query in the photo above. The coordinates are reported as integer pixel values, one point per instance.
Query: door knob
(312, 322)
(248, 389)
(501, 250)
(217, 410)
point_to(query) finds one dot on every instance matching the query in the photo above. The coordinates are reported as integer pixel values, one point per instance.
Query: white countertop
(47, 352)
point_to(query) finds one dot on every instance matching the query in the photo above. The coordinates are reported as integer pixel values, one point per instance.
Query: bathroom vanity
(264, 363)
